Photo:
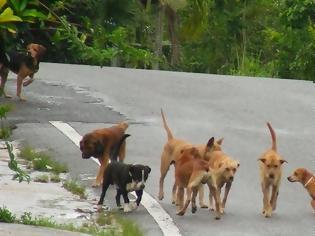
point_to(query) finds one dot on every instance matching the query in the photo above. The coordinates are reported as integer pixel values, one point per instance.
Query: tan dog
(306, 178)
(190, 172)
(100, 143)
(270, 175)
(223, 171)
(23, 64)
(171, 154)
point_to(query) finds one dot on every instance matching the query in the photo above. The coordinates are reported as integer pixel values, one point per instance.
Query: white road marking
(161, 217)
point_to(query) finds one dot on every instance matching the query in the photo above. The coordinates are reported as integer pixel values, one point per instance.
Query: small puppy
(306, 178)
(270, 175)
(126, 178)
(100, 144)
(224, 169)
(190, 172)
(23, 64)
(171, 154)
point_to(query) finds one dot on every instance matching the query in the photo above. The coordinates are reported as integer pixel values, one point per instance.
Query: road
(197, 106)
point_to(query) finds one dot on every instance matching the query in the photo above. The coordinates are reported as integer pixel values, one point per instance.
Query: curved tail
(115, 150)
(273, 137)
(168, 131)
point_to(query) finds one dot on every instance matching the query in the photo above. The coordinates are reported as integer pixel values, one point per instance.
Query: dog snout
(142, 186)
(271, 176)
(231, 178)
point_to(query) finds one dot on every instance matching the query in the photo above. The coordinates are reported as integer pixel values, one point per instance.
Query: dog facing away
(100, 144)
(223, 171)
(126, 178)
(270, 175)
(190, 172)
(171, 154)
(306, 178)
(23, 64)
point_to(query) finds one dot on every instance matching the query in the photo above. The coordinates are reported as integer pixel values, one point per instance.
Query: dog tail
(116, 148)
(168, 131)
(273, 137)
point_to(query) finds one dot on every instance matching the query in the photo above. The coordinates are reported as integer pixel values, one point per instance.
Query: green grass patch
(75, 188)
(6, 215)
(42, 161)
(55, 178)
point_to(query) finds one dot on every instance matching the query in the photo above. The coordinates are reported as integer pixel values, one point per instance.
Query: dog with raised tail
(307, 179)
(270, 175)
(126, 178)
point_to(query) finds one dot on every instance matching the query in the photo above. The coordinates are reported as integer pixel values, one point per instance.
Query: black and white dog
(126, 178)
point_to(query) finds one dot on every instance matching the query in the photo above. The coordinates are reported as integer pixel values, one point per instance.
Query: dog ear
(263, 160)
(283, 161)
(220, 164)
(238, 164)
(210, 144)
(148, 169)
(99, 148)
(220, 141)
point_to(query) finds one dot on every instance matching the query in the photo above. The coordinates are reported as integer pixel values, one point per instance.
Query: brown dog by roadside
(223, 171)
(270, 175)
(23, 64)
(171, 154)
(100, 143)
(190, 172)
(306, 178)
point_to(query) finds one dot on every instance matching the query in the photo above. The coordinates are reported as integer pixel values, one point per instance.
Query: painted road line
(161, 217)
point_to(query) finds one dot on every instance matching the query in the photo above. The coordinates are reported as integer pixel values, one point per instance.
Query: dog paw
(202, 205)
(127, 208)
(221, 210)
(161, 196)
(133, 205)
(180, 213)
(217, 217)
(193, 210)
(267, 213)
(211, 208)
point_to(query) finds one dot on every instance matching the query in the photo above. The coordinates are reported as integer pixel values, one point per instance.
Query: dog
(171, 154)
(23, 64)
(270, 175)
(306, 178)
(191, 172)
(100, 144)
(224, 169)
(126, 178)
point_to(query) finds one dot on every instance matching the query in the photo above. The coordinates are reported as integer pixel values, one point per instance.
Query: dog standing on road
(270, 175)
(126, 178)
(23, 64)
(306, 178)
(171, 154)
(100, 144)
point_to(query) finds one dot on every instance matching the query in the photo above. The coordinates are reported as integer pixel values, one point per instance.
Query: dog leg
(201, 195)
(226, 193)
(19, 82)
(267, 210)
(193, 200)
(187, 202)
(139, 194)
(274, 197)
(29, 81)
(118, 194)
(174, 193)
(313, 205)
(127, 207)
(122, 152)
(101, 170)
(216, 196)
(211, 196)
(165, 165)
(101, 201)
(180, 198)
(4, 76)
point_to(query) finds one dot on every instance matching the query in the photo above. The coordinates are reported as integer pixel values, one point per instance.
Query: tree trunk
(158, 34)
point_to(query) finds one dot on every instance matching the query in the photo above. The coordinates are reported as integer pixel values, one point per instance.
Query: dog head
(299, 175)
(91, 145)
(36, 50)
(271, 163)
(139, 175)
(228, 169)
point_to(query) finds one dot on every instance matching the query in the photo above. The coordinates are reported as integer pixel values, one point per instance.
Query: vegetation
(75, 188)
(42, 161)
(238, 37)
(5, 131)
(42, 179)
(118, 227)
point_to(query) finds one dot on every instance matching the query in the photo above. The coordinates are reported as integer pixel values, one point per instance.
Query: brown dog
(270, 175)
(171, 154)
(224, 169)
(190, 172)
(306, 178)
(100, 143)
(23, 64)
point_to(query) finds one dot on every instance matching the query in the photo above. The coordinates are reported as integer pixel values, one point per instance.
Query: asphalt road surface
(197, 107)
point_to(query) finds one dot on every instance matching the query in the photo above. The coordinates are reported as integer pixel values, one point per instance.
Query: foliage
(6, 215)
(5, 131)
(75, 188)
(42, 179)
(13, 165)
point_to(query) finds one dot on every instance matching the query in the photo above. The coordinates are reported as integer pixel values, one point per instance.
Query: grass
(6, 216)
(120, 227)
(42, 161)
(55, 178)
(42, 179)
(75, 188)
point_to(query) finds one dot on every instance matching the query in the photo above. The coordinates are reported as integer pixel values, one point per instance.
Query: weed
(55, 178)
(75, 188)
(6, 216)
(42, 179)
